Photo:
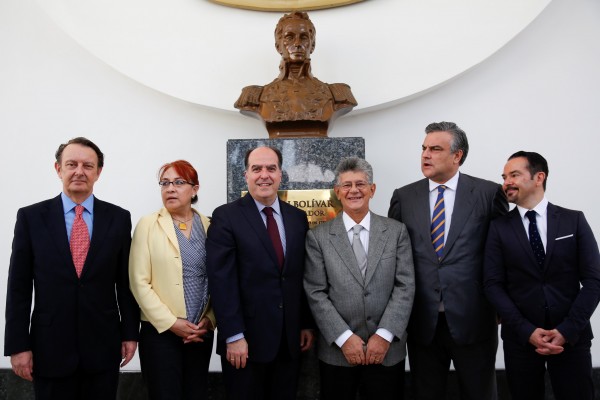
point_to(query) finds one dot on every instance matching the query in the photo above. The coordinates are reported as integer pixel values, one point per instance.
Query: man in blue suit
(542, 274)
(85, 320)
(255, 265)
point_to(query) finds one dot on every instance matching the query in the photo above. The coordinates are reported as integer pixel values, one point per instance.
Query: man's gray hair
(459, 137)
(354, 164)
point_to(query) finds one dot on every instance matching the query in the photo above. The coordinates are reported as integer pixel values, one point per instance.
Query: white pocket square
(564, 237)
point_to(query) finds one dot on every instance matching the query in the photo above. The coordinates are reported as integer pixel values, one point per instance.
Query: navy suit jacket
(76, 322)
(249, 293)
(529, 297)
(459, 274)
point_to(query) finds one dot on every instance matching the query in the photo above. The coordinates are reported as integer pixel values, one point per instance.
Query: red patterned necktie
(273, 232)
(80, 240)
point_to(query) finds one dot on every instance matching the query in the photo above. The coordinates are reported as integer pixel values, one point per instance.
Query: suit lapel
(377, 241)
(338, 237)
(54, 219)
(463, 206)
(166, 223)
(552, 219)
(102, 221)
(422, 215)
(519, 231)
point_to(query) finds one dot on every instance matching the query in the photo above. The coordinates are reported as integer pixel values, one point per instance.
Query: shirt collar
(349, 222)
(69, 204)
(275, 206)
(540, 208)
(452, 183)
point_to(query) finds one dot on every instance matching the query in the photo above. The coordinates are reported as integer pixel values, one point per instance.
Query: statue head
(295, 37)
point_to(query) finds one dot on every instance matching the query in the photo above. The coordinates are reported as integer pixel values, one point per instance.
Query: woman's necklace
(183, 224)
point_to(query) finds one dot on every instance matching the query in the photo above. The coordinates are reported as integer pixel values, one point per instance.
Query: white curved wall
(539, 92)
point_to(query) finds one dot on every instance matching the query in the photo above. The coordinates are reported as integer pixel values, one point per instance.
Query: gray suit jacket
(339, 297)
(459, 274)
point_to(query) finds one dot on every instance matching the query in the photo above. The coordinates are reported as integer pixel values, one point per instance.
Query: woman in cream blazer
(167, 272)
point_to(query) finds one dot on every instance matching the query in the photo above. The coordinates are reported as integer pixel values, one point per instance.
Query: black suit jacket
(459, 274)
(249, 293)
(76, 322)
(529, 297)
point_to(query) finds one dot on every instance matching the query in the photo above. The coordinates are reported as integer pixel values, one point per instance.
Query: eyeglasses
(177, 183)
(360, 185)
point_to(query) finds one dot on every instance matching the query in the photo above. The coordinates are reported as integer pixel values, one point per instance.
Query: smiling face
(520, 186)
(78, 170)
(263, 175)
(354, 192)
(177, 200)
(438, 163)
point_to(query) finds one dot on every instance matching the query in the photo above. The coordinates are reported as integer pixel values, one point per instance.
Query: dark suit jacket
(76, 322)
(529, 297)
(249, 293)
(459, 274)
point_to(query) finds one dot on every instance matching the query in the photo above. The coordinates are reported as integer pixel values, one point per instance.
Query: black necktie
(273, 232)
(534, 238)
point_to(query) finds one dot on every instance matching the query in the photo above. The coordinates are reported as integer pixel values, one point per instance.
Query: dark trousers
(172, 369)
(570, 372)
(475, 366)
(372, 382)
(275, 380)
(79, 386)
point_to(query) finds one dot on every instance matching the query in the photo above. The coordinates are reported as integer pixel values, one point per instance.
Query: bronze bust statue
(296, 103)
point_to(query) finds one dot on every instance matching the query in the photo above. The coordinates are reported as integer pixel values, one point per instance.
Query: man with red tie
(255, 265)
(73, 250)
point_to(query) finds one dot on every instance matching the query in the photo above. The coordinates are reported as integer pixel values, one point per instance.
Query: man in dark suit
(360, 285)
(85, 320)
(255, 264)
(448, 215)
(542, 274)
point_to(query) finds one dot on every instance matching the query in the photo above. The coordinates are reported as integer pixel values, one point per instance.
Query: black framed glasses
(177, 183)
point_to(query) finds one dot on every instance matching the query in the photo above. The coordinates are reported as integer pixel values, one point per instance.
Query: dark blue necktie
(534, 238)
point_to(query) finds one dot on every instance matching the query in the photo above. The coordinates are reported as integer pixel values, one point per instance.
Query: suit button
(437, 290)
(280, 305)
(283, 278)
(368, 318)
(366, 294)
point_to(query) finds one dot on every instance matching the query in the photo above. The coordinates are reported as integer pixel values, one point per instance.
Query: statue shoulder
(250, 98)
(342, 94)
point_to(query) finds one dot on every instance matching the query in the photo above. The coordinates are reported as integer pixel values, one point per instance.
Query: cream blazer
(156, 271)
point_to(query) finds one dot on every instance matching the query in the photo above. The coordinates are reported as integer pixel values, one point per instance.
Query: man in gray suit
(447, 215)
(359, 281)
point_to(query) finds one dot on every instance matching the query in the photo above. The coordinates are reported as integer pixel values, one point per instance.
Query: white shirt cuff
(342, 338)
(384, 333)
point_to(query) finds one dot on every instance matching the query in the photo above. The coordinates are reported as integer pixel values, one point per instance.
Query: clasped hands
(357, 353)
(191, 332)
(547, 342)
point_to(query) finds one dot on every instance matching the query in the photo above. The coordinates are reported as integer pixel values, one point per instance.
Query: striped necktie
(438, 222)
